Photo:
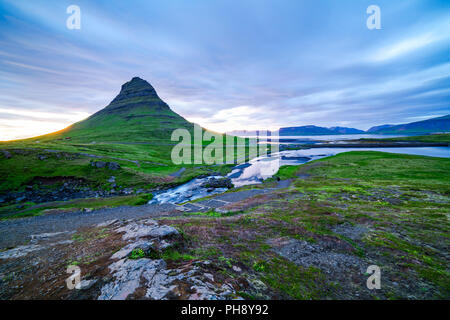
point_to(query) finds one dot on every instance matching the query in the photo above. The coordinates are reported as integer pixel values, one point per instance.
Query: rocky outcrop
(7, 154)
(103, 164)
(218, 183)
(152, 278)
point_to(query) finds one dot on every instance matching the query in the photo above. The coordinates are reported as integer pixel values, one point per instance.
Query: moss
(294, 281)
(137, 254)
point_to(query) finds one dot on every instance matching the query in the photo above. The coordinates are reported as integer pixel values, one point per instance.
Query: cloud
(405, 46)
(245, 65)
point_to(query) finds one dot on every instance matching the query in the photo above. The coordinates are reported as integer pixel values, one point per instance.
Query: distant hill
(345, 130)
(434, 125)
(135, 114)
(314, 130)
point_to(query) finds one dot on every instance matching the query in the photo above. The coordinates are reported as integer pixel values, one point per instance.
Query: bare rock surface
(322, 256)
(147, 278)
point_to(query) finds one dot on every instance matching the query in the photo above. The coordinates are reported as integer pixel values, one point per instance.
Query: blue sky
(226, 65)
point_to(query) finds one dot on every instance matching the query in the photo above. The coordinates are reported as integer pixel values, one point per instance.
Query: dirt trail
(17, 232)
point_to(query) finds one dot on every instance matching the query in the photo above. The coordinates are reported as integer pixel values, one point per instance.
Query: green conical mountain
(136, 114)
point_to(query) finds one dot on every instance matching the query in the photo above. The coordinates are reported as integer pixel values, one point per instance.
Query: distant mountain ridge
(434, 125)
(315, 130)
(302, 130)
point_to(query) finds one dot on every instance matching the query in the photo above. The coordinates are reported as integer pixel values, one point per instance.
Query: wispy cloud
(405, 46)
(226, 65)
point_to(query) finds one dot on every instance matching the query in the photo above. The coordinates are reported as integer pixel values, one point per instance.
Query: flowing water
(261, 168)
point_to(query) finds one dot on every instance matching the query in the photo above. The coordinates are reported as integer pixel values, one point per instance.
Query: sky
(226, 64)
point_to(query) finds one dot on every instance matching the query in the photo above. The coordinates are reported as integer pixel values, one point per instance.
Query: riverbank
(312, 239)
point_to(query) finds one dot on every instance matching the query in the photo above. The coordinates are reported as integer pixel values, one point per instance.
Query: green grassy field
(444, 137)
(401, 202)
(134, 131)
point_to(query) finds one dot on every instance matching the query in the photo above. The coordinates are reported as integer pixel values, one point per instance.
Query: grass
(443, 137)
(133, 130)
(287, 172)
(9, 212)
(400, 201)
(387, 169)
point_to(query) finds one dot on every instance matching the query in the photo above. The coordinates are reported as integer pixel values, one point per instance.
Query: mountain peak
(136, 87)
(136, 113)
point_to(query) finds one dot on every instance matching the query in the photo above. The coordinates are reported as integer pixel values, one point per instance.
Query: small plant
(259, 266)
(227, 261)
(137, 254)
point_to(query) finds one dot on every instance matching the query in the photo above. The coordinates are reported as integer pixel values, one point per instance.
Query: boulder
(7, 154)
(103, 164)
(98, 164)
(113, 166)
(218, 183)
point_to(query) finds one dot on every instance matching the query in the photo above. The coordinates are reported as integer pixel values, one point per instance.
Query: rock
(237, 269)
(320, 255)
(107, 223)
(42, 157)
(209, 276)
(127, 275)
(46, 235)
(217, 183)
(157, 282)
(98, 164)
(20, 198)
(146, 228)
(112, 179)
(85, 284)
(19, 251)
(113, 166)
(146, 246)
(103, 164)
(7, 154)
(258, 285)
(222, 210)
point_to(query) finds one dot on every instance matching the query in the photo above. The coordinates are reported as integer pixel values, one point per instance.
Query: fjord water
(335, 137)
(261, 168)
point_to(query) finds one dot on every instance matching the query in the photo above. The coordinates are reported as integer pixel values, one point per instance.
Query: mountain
(345, 130)
(304, 130)
(296, 131)
(434, 125)
(135, 114)
(314, 130)
(380, 128)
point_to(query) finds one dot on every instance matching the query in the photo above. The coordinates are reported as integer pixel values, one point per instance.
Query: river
(261, 168)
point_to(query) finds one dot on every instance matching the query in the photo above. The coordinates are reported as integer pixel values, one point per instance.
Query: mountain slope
(440, 124)
(345, 130)
(137, 114)
(314, 130)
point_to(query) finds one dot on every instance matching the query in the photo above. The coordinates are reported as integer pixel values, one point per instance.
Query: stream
(261, 168)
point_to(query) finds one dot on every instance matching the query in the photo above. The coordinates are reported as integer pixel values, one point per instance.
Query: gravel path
(16, 232)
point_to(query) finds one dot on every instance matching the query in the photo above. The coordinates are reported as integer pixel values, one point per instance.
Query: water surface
(259, 169)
